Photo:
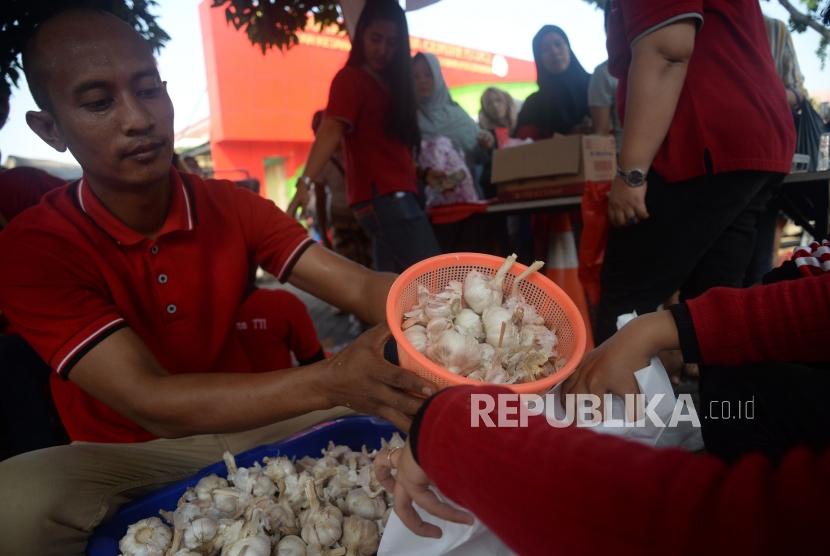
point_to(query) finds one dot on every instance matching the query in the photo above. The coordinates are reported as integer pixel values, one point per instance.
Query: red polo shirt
(732, 108)
(375, 162)
(71, 273)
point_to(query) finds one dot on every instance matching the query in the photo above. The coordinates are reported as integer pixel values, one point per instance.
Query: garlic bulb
(229, 531)
(293, 490)
(322, 524)
(360, 536)
(291, 546)
(445, 304)
(481, 291)
(278, 468)
(229, 502)
(200, 532)
(258, 545)
(458, 353)
(436, 327)
(539, 337)
(339, 484)
(469, 323)
(359, 503)
(148, 537)
(499, 330)
(208, 484)
(281, 519)
(417, 336)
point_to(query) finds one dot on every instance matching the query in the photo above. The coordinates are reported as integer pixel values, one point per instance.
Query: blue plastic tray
(354, 432)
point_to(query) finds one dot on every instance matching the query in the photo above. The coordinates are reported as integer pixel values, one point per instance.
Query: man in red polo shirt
(127, 283)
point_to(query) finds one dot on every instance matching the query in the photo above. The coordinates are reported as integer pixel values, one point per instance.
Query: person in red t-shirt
(707, 135)
(563, 485)
(23, 187)
(372, 110)
(128, 284)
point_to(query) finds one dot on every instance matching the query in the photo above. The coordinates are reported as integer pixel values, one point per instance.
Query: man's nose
(136, 118)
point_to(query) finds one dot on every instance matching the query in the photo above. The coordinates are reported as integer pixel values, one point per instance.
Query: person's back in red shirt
(22, 187)
(732, 113)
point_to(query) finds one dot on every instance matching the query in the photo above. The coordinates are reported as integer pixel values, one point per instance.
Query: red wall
(261, 105)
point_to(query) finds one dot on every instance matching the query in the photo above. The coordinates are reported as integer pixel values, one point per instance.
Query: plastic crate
(354, 432)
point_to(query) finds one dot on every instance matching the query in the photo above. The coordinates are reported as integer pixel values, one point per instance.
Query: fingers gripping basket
(550, 301)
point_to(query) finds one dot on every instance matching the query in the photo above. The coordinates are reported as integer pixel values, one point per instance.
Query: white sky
(481, 24)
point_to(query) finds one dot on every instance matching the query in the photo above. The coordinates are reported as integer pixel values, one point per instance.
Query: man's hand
(409, 484)
(360, 378)
(300, 202)
(610, 368)
(626, 204)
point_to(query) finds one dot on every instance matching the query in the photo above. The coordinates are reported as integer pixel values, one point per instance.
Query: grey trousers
(54, 498)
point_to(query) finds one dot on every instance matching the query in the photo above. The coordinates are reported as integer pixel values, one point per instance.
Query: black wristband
(415, 428)
(689, 346)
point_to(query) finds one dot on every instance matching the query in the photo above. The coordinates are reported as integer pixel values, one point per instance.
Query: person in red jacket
(546, 490)
(707, 135)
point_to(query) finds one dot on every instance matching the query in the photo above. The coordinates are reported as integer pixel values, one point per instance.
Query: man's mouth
(145, 150)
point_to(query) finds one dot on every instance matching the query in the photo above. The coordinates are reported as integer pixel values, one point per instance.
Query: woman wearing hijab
(561, 103)
(438, 114)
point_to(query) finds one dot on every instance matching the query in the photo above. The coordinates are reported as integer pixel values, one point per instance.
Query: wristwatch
(632, 178)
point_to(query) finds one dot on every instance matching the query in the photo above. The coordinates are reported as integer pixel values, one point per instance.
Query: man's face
(110, 106)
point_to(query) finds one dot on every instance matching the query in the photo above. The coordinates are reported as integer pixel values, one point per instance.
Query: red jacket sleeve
(782, 322)
(545, 490)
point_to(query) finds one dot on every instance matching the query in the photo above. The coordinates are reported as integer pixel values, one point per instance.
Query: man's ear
(46, 128)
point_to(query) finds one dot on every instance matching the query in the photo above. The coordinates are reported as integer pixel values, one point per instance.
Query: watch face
(635, 178)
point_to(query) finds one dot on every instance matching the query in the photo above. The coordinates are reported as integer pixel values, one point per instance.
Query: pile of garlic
(474, 330)
(327, 506)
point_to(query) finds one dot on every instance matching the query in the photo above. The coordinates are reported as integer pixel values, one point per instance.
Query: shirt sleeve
(276, 240)
(345, 100)
(782, 322)
(52, 298)
(642, 17)
(573, 491)
(601, 88)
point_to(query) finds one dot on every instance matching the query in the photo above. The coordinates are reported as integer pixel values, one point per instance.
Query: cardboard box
(554, 167)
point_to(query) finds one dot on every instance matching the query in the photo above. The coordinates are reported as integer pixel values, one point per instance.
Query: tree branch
(800, 17)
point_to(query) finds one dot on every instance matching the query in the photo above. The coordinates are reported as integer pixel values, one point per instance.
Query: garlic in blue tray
(148, 537)
(238, 518)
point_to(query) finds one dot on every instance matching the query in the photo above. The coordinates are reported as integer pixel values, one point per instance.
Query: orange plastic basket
(550, 301)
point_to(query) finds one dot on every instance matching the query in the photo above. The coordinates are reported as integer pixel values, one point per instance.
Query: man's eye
(98, 105)
(151, 92)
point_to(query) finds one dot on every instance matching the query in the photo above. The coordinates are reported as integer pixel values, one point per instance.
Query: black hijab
(562, 99)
